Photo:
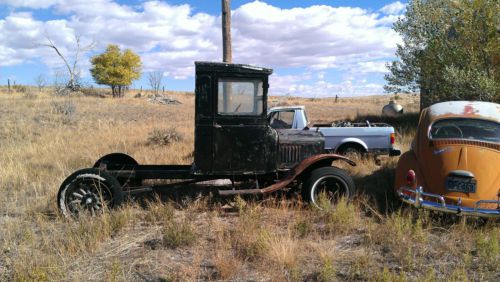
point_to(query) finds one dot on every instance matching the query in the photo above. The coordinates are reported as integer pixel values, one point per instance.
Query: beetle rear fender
(406, 162)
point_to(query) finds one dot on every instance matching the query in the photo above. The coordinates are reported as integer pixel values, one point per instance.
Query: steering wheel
(448, 131)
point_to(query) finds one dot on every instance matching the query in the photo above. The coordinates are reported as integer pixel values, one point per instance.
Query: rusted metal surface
(298, 145)
(485, 110)
(290, 176)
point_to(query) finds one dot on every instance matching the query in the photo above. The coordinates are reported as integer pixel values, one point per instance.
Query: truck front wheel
(330, 183)
(89, 191)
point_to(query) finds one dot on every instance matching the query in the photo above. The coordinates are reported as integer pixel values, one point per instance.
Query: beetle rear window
(470, 129)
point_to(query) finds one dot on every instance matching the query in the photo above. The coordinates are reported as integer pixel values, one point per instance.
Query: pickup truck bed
(376, 138)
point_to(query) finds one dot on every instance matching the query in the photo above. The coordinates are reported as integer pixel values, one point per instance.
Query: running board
(256, 191)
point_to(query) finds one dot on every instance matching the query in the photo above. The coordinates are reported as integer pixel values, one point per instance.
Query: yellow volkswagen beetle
(453, 165)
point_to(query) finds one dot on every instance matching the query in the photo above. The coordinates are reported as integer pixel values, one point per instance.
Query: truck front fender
(299, 170)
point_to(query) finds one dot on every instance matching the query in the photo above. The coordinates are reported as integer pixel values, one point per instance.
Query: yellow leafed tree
(116, 68)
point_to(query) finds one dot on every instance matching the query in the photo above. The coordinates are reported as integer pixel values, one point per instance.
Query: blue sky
(317, 48)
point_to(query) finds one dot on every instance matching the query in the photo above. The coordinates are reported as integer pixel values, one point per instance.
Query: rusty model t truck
(233, 140)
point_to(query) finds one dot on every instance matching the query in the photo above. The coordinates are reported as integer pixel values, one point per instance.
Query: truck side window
(282, 120)
(240, 97)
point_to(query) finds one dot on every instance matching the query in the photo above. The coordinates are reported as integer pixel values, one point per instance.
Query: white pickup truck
(342, 137)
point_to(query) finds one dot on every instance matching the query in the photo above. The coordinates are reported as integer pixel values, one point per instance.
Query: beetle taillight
(411, 178)
(393, 138)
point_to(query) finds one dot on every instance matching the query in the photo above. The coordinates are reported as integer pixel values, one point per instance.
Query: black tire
(352, 151)
(89, 190)
(333, 181)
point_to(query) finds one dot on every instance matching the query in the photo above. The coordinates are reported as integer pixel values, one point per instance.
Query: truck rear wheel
(120, 161)
(351, 150)
(89, 191)
(330, 182)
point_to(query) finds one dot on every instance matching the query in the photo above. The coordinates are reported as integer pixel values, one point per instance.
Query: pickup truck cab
(343, 137)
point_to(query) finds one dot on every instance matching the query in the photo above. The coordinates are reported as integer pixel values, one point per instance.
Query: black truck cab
(232, 133)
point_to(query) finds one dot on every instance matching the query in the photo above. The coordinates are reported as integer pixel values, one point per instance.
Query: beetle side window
(470, 129)
(240, 97)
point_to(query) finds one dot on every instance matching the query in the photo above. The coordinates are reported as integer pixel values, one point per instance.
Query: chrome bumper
(416, 200)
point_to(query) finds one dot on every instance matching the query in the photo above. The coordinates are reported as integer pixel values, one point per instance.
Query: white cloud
(375, 67)
(394, 8)
(170, 38)
(305, 85)
(317, 36)
(34, 4)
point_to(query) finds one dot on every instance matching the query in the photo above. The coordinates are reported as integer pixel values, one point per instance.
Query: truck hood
(297, 145)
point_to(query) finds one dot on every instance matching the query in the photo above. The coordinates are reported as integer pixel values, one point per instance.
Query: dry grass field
(44, 138)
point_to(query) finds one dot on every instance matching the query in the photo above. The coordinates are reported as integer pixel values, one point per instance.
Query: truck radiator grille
(290, 153)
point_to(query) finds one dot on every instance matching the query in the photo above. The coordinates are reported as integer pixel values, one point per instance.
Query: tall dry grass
(44, 138)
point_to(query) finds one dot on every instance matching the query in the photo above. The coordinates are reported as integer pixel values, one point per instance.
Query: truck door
(244, 143)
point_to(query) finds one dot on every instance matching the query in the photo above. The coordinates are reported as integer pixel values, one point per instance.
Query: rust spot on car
(469, 110)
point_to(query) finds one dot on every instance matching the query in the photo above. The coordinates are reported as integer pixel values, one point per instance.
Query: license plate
(457, 184)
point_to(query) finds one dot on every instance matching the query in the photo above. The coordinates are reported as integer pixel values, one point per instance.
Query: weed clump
(302, 228)
(66, 108)
(164, 137)
(487, 249)
(178, 234)
(20, 88)
(340, 217)
(327, 272)
(30, 95)
(159, 212)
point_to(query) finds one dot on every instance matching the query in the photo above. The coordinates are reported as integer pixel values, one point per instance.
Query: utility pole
(226, 49)
(226, 32)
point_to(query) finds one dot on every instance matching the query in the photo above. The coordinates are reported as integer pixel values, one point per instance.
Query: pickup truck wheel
(352, 151)
(89, 191)
(331, 182)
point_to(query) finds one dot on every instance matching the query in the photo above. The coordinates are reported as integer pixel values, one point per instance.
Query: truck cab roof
(231, 68)
(287, 108)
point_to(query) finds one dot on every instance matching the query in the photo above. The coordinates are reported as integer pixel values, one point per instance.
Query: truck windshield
(471, 129)
(240, 97)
